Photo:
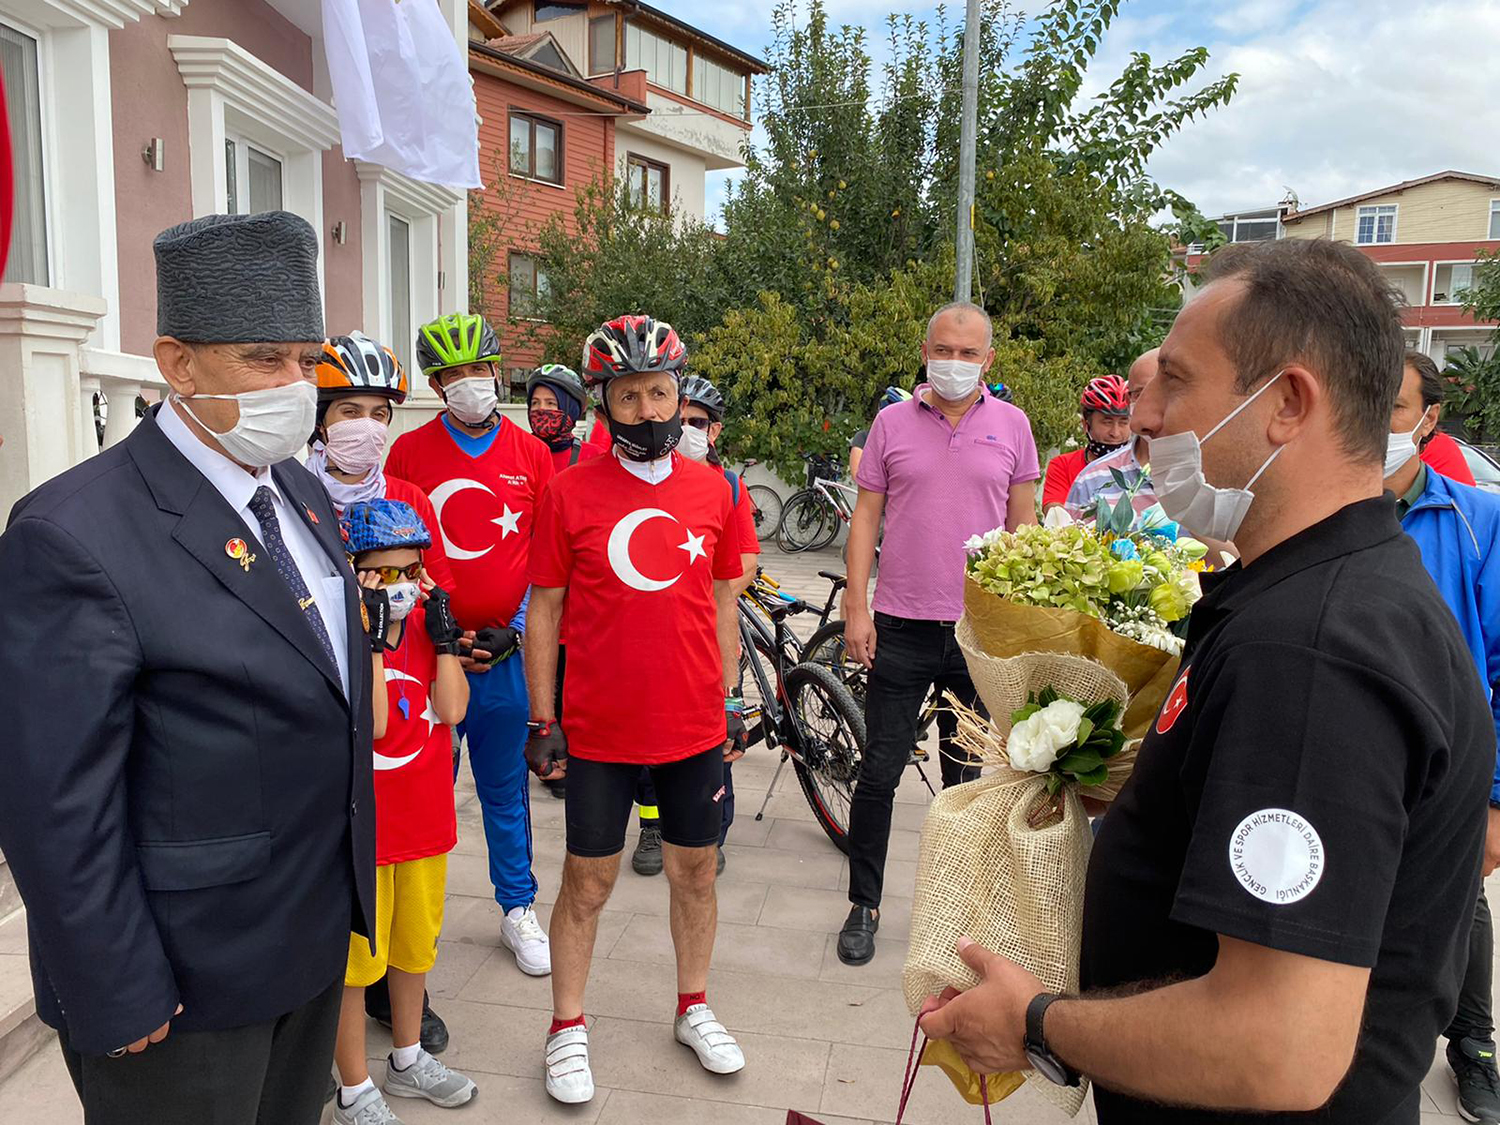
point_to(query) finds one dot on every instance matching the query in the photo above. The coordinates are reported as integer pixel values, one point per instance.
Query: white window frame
(1432, 292)
(1491, 232)
(402, 347)
(48, 139)
(1376, 208)
(231, 92)
(242, 167)
(1427, 270)
(383, 193)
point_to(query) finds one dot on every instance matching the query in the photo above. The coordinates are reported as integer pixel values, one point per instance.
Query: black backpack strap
(734, 485)
(577, 448)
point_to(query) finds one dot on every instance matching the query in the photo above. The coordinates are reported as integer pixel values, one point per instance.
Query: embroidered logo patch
(1175, 705)
(1277, 856)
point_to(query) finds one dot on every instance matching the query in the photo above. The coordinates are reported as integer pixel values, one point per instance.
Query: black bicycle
(767, 503)
(812, 516)
(802, 709)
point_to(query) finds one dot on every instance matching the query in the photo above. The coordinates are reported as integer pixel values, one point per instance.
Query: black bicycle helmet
(1002, 392)
(699, 391)
(562, 380)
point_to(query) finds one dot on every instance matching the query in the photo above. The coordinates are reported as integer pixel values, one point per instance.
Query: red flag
(7, 188)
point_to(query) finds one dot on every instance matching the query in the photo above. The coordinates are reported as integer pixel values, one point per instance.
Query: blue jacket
(1457, 529)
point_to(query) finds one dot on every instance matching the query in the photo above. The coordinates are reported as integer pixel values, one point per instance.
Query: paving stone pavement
(819, 1037)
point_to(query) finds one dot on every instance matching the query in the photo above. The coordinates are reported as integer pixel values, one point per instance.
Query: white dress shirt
(237, 486)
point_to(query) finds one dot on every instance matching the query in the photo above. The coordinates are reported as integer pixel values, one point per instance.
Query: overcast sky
(1336, 96)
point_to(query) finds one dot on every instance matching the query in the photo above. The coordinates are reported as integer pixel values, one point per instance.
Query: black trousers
(910, 656)
(272, 1073)
(1475, 1018)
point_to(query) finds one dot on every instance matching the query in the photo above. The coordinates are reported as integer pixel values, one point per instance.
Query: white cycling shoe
(569, 1078)
(715, 1047)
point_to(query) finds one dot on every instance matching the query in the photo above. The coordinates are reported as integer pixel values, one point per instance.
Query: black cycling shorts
(689, 793)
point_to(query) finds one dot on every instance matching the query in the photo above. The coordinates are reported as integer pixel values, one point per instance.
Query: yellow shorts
(408, 919)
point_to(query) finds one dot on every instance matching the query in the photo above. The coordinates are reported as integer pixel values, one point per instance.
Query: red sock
(558, 1025)
(686, 1000)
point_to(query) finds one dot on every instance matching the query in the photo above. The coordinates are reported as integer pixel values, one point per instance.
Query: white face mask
(403, 597)
(953, 379)
(1401, 448)
(1186, 497)
(694, 443)
(274, 423)
(472, 400)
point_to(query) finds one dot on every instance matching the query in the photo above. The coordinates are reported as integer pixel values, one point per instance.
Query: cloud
(1343, 96)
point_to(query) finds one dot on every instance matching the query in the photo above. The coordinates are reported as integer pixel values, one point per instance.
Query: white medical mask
(694, 444)
(274, 423)
(953, 379)
(472, 400)
(403, 597)
(1401, 448)
(1186, 497)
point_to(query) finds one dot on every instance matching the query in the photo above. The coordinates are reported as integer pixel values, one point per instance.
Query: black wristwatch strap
(1050, 1066)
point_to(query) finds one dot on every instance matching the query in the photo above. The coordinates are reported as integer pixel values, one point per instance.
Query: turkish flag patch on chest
(1175, 705)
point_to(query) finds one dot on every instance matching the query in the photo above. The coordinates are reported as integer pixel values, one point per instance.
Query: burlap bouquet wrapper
(1002, 861)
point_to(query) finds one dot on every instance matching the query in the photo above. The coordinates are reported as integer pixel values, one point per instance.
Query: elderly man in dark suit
(187, 802)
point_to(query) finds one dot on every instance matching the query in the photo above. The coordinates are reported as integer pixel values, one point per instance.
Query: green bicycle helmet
(456, 339)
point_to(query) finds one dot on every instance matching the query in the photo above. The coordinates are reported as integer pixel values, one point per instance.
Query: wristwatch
(1048, 1065)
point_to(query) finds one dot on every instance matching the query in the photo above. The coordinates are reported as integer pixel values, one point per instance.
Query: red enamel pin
(310, 513)
(239, 552)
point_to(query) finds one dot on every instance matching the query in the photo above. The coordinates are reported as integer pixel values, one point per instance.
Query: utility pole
(963, 282)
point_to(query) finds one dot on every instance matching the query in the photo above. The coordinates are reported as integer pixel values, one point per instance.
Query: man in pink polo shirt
(951, 463)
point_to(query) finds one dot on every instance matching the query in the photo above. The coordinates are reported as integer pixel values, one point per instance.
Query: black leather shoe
(857, 938)
(558, 789)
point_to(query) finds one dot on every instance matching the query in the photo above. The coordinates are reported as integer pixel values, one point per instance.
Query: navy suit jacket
(186, 795)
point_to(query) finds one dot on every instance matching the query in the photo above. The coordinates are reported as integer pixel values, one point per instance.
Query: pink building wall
(151, 101)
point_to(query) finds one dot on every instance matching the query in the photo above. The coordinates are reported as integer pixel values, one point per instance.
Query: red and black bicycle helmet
(1107, 394)
(632, 345)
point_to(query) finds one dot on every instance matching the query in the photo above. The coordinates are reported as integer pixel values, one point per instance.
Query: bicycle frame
(841, 496)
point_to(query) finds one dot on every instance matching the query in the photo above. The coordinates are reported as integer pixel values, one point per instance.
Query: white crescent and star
(619, 550)
(385, 761)
(509, 523)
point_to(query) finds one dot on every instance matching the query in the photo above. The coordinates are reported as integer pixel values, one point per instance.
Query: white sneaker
(716, 1049)
(569, 1079)
(523, 935)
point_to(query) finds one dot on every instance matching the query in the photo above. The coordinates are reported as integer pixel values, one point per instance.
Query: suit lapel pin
(240, 553)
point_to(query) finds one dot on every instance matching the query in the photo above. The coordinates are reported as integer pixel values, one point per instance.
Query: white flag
(401, 86)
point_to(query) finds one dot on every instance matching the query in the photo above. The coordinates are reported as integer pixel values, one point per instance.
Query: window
(1495, 218)
(515, 391)
(602, 45)
(526, 284)
(1376, 225)
(718, 86)
(1254, 230)
(20, 71)
(399, 274)
(649, 183)
(253, 178)
(543, 10)
(664, 62)
(1450, 282)
(536, 148)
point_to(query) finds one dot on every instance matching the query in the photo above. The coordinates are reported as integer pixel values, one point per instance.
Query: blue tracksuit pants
(495, 728)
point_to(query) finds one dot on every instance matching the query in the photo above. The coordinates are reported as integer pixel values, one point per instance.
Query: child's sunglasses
(390, 575)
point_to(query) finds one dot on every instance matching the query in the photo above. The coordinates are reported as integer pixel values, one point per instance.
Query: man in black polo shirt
(1279, 902)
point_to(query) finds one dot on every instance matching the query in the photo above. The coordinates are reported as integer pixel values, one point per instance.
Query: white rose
(1035, 743)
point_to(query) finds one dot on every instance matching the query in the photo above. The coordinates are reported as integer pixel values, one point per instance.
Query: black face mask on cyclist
(646, 440)
(1098, 449)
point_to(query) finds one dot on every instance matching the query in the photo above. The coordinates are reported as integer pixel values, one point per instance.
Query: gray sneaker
(430, 1079)
(368, 1109)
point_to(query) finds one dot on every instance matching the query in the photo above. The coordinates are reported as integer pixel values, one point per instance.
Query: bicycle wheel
(831, 728)
(826, 647)
(767, 509)
(831, 524)
(802, 522)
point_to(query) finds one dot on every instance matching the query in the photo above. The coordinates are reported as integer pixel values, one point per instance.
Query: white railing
(118, 379)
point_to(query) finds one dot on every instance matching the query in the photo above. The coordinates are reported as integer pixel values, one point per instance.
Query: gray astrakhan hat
(239, 279)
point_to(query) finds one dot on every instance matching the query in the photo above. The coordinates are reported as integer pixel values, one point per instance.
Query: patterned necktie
(263, 507)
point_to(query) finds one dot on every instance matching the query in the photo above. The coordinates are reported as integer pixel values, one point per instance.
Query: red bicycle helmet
(1107, 394)
(632, 345)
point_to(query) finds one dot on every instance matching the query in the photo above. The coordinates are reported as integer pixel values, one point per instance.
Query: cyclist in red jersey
(1105, 405)
(643, 545)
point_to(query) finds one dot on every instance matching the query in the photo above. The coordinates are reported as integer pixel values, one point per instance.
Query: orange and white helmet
(357, 365)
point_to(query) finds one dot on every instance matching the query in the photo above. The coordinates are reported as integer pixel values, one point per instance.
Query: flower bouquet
(1072, 634)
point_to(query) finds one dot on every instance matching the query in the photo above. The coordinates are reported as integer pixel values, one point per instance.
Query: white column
(41, 407)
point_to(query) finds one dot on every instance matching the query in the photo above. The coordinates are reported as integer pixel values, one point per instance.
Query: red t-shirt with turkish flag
(414, 816)
(484, 506)
(639, 562)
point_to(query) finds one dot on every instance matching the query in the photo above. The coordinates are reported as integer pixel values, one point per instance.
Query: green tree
(1474, 381)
